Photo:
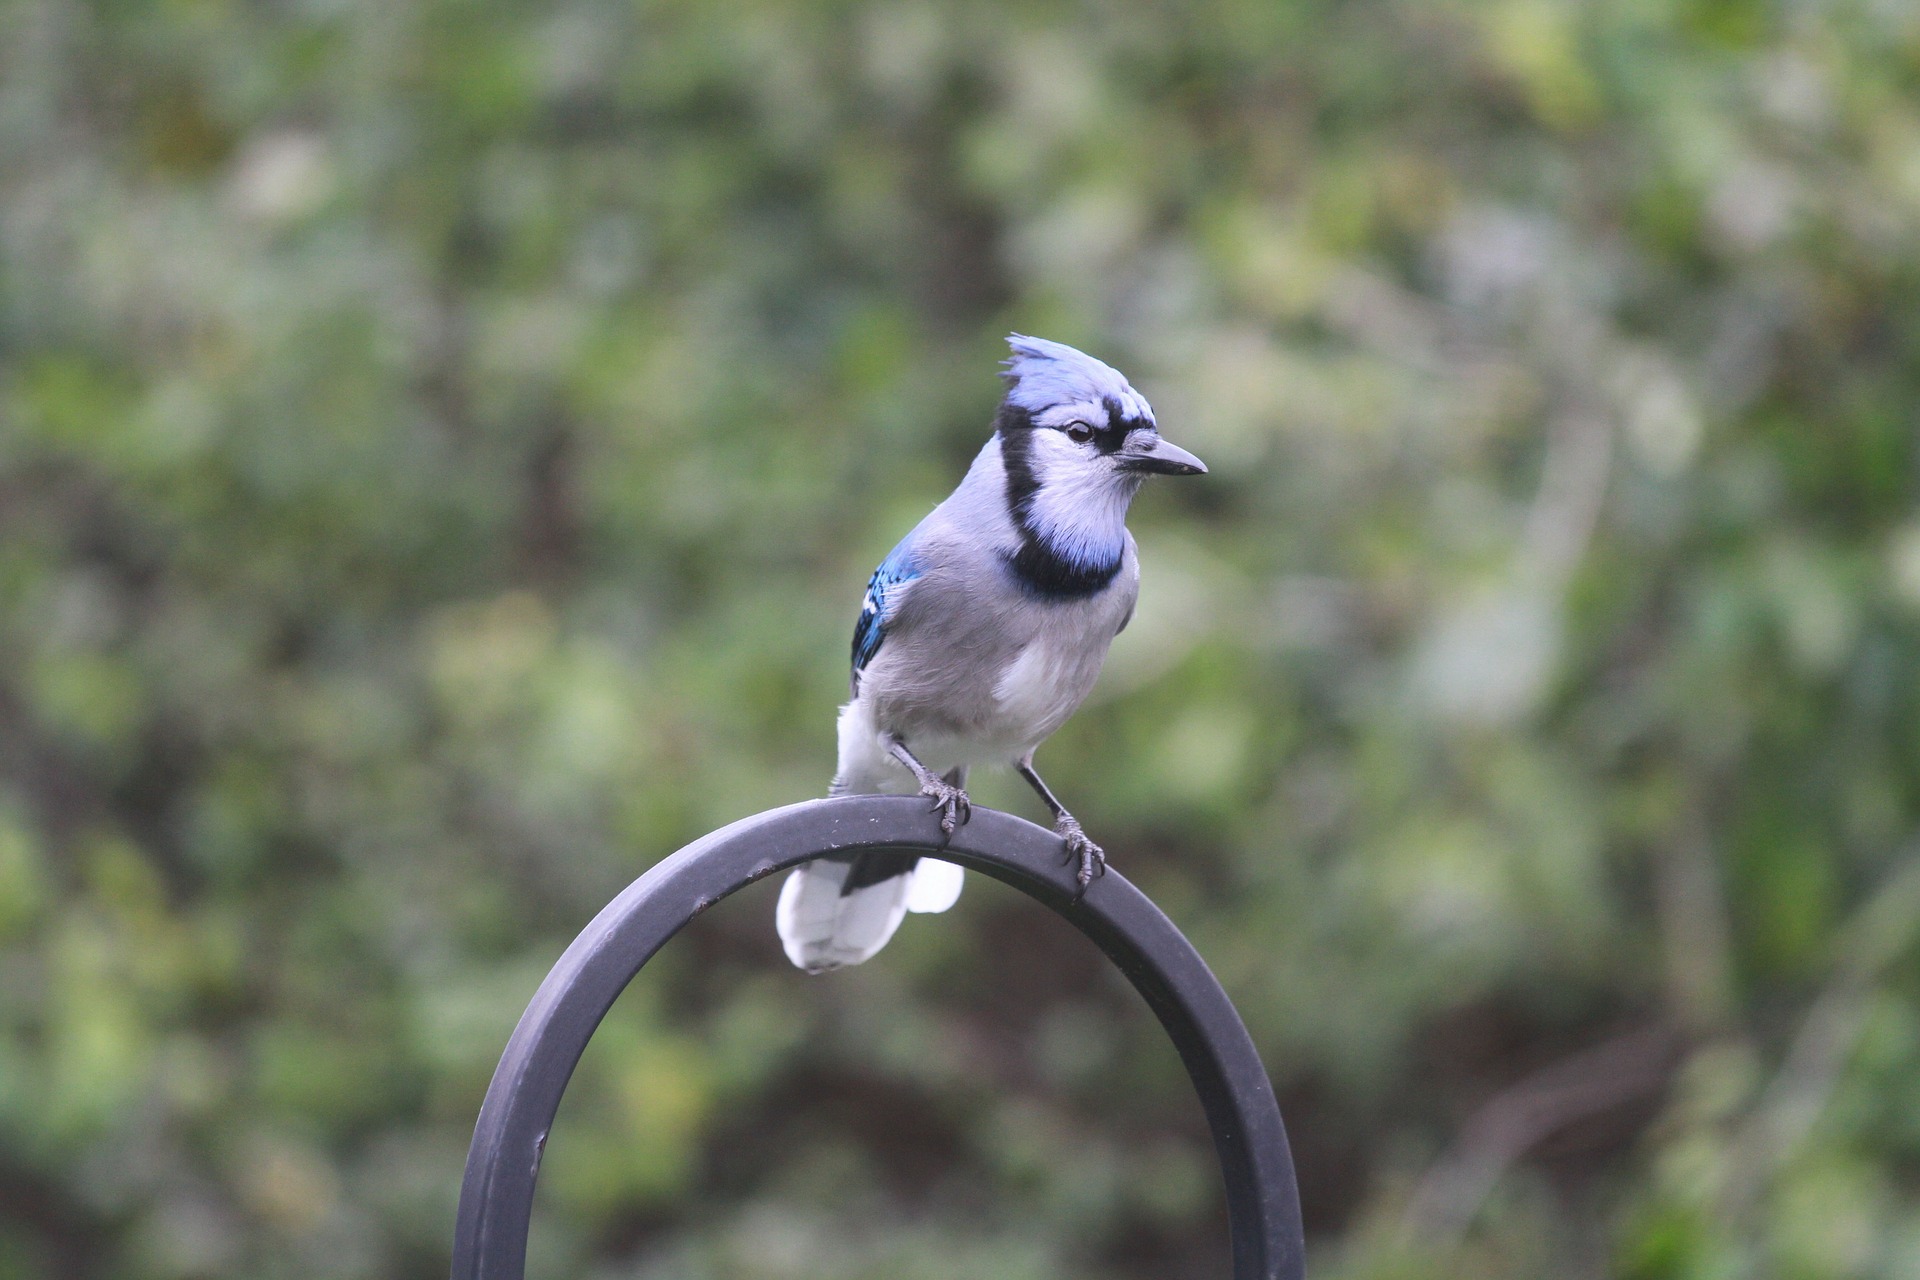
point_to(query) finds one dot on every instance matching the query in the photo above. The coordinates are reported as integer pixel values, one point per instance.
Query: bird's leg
(949, 800)
(1091, 857)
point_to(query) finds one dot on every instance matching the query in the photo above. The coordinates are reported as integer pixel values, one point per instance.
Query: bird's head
(1081, 423)
(1077, 442)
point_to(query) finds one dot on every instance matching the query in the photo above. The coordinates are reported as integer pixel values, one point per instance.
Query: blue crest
(1052, 375)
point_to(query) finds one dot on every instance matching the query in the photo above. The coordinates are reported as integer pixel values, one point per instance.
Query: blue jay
(982, 632)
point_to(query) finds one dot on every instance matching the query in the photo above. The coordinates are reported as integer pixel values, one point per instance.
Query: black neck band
(1049, 574)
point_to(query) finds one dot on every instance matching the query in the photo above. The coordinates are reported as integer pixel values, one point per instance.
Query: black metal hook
(496, 1198)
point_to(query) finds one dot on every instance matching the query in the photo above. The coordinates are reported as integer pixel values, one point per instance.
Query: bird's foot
(1091, 857)
(950, 802)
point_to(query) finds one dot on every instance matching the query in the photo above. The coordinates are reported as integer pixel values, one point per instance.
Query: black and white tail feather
(982, 632)
(835, 912)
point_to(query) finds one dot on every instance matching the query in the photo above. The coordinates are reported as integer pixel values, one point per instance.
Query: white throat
(1079, 512)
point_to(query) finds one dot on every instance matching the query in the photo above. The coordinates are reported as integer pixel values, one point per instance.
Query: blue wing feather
(884, 591)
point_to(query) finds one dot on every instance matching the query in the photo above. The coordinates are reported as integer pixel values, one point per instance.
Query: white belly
(1041, 688)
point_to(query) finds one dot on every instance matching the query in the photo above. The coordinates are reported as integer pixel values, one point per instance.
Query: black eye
(1079, 432)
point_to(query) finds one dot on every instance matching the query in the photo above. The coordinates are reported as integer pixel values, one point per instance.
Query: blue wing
(884, 591)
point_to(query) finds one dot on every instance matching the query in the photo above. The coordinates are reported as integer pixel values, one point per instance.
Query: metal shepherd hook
(496, 1198)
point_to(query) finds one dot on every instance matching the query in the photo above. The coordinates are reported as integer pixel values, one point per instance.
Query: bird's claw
(1091, 857)
(951, 803)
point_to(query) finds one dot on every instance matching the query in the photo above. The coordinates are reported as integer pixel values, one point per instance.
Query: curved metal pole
(496, 1198)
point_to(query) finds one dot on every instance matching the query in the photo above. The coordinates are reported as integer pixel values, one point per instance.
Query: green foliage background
(441, 447)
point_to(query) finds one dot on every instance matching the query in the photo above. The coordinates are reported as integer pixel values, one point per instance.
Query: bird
(981, 633)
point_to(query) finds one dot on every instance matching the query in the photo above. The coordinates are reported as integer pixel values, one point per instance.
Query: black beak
(1152, 454)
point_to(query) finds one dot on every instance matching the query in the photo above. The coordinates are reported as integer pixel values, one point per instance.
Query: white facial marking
(1091, 412)
(1080, 506)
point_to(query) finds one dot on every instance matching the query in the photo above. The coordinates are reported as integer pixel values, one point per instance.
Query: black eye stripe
(1106, 437)
(1016, 429)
